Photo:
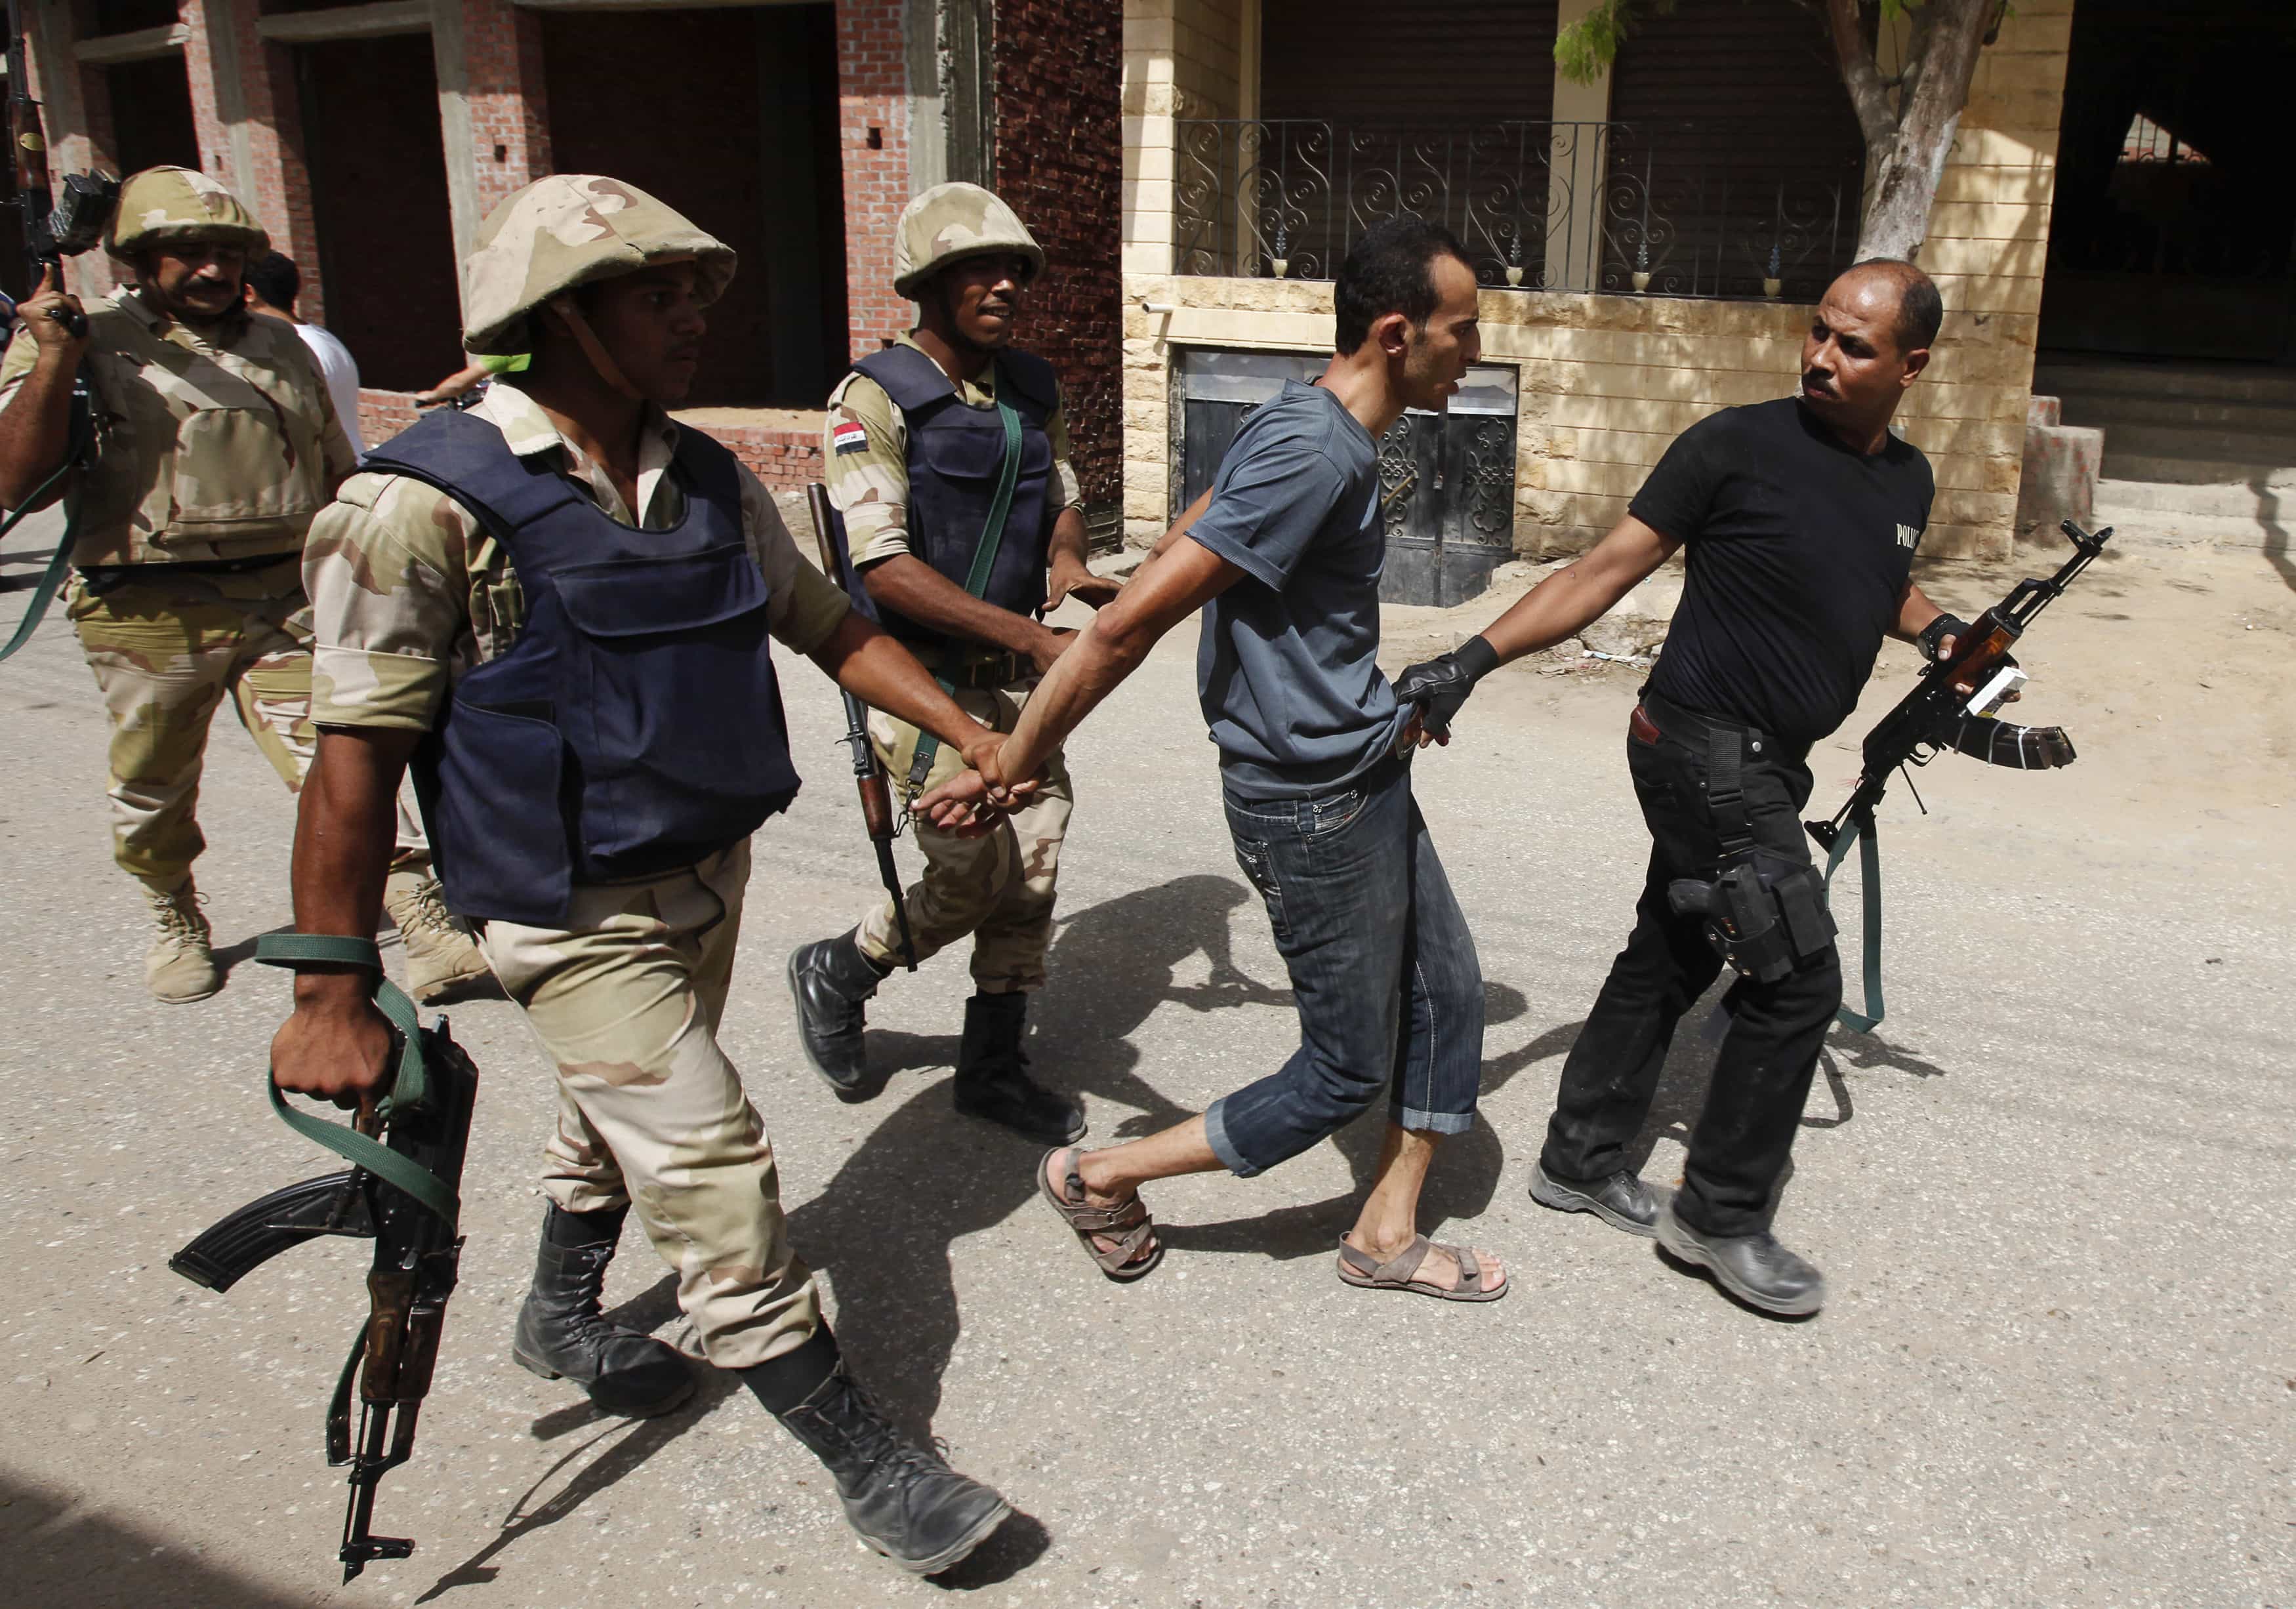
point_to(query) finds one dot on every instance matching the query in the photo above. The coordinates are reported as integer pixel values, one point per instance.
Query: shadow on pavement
(924, 1177)
(1109, 966)
(1460, 1185)
(64, 1554)
(620, 1445)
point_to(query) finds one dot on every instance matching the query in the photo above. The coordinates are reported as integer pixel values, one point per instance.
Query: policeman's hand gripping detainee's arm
(1439, 687)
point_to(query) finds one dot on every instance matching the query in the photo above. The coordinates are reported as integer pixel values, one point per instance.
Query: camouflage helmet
(569, 230)
(949, 222)
(160, 205)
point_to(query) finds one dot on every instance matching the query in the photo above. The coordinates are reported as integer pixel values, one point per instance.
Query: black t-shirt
(1798, 550)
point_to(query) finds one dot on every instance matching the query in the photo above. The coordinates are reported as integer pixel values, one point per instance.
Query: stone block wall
(1058, 165)
(1182, 58)
(1607, 381)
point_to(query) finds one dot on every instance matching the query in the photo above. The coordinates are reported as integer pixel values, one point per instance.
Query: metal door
(1447, 480)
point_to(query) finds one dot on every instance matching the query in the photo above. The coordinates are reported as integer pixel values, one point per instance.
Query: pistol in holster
(1762, 926)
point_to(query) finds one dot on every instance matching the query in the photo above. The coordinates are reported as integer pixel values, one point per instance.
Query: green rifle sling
(52, 578)
(1859, 830)
(410, 1090)
(984, 561)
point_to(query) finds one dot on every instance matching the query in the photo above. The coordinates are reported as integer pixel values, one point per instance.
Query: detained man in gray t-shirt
(1284, 557)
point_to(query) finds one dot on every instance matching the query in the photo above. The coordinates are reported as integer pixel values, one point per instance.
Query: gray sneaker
(180, 966)
(1621, 1201)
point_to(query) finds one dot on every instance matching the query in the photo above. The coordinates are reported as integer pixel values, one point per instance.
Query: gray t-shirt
(1287, 667)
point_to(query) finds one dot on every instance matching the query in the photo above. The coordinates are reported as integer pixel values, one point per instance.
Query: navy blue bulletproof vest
(636, 724)
(955, 457)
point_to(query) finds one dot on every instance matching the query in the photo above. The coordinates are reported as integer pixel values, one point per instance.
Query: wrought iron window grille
(1667, 209)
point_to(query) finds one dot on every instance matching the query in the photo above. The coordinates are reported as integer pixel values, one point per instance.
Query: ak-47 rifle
(868, 771)
(1953, 707)
(401, 1193)
(54, 230)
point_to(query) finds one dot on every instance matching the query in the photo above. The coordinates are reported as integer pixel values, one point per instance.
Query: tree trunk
(1906, 144)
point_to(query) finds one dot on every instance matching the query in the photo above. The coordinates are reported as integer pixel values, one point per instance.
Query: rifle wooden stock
(876, 805)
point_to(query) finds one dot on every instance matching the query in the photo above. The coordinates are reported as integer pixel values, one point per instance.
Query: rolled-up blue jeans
(1383, 970)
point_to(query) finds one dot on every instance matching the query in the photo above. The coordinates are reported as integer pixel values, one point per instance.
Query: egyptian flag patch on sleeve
(850, 437)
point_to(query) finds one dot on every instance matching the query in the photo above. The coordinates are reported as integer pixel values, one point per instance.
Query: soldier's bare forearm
(1067, 543)
(878, 671)
(912, 588)
(35, 426)
(345, 827)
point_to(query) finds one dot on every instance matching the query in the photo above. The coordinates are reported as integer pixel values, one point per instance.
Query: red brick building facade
(373, 138)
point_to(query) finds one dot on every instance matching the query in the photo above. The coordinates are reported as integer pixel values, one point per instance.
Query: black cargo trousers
(1739, 1149)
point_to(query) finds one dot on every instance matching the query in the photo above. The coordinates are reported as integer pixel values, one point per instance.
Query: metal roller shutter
(1358, 61)
(1734, 110)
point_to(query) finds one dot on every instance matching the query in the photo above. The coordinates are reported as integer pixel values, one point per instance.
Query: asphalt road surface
(2050, 1194)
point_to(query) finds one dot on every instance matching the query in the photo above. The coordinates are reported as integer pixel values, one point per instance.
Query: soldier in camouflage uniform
(522, 598)
(915, 445)
(215, 443)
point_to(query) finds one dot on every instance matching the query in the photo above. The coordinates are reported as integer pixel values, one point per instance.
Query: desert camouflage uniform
(213, 449)
(409, 592)
(998, 887)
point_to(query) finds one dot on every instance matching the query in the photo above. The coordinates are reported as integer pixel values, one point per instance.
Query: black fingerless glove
(1945, 626)
(1439, 686)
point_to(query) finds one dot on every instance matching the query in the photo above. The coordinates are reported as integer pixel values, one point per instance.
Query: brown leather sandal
(1129, 1222)
(1360, 1270)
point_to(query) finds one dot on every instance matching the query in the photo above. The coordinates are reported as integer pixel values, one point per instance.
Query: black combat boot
(561, 1335)
(1755, 1269)
(831, 980)
(992, 1076)
(903, 1500)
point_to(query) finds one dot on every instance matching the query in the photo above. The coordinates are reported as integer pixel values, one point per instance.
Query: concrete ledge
(2062, 465)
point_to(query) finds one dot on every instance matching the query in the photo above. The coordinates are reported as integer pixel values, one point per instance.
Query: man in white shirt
(273, 283)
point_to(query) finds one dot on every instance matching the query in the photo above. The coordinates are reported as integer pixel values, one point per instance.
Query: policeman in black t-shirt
(1801, 517)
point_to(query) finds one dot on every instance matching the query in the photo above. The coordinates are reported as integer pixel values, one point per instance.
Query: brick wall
(509, 109)
(508, 106)
(234, 74)
(784, 460)
(382, 414)
(872, 95)
(1058, 163)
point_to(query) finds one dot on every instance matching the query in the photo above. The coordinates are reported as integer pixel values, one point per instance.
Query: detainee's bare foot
(1438, 1267)
(1067, 1160)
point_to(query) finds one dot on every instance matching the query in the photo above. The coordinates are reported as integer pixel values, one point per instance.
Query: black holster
(1761, 919)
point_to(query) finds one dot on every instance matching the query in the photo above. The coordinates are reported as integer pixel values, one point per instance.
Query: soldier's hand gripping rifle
(1953, 707)
(401, 1193)
(868, 772)
(52, 231)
